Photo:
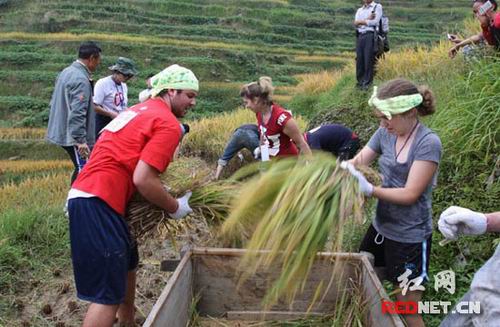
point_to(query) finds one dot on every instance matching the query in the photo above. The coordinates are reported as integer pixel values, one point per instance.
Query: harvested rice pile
(210, 200)
(292, 210)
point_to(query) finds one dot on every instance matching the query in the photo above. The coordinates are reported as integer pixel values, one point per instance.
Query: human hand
(453, 51)
(184, 209)
(455, 221)
(364, 186)
(256, 153)
(83, 150)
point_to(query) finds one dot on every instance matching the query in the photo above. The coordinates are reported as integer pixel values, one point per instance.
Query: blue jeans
(242, 138)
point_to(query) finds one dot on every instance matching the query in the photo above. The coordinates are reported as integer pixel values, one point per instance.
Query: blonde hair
(262, 89)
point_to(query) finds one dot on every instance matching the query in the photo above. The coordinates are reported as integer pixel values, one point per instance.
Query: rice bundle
(292, 210)
(210, 201)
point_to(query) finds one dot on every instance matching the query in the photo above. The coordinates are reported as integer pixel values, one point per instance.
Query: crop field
(307, 49)
(228, 42)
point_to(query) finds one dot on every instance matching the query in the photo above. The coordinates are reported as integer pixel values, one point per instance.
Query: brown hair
(400, 86)
(262, 89)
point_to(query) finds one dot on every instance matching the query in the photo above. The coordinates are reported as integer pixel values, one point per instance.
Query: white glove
(364, 186)
(184, 209)
(457, 220)
(256, 153)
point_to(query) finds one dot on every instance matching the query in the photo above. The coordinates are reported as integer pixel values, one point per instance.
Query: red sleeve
(160, 148)
(282, 118)
(496, 21)
(488, 36)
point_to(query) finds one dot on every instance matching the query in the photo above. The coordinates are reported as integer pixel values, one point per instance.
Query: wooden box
(209, 276)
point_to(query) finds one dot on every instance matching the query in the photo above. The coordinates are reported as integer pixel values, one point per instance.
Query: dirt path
(53, 302)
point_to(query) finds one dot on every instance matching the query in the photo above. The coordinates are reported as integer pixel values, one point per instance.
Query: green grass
(467, 120)
(218, 40)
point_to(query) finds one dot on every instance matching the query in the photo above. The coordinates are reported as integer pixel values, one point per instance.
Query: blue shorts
(101, 250)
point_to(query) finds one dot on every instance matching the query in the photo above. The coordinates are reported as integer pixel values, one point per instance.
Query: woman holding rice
(277, 127)
(408, 156)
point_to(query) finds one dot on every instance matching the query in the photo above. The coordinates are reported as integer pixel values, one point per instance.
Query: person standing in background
(111, 93)
(366, 21)
(72, 118)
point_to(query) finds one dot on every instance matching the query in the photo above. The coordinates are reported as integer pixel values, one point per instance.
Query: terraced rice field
(226, 43)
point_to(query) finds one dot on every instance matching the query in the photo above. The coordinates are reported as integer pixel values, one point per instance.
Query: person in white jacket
(485, 287)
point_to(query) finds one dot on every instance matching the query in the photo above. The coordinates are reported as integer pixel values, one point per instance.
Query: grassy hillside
(226, 43)
(466, 120)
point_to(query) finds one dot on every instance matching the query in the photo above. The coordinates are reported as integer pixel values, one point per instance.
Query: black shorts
(396, 257)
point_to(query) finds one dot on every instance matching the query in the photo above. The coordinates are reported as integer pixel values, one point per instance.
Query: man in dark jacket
(72, 117)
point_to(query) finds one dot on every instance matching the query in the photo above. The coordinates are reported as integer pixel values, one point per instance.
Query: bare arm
(493, 221)
(473, 39)
(420, 175)
(101, 111)
(147, 180)
(292, 130)
(218, 171)
(365, 157)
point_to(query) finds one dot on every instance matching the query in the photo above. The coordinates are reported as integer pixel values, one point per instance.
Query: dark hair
(400, 86)
(262, 89)
(150, 75)
(493, 2)
(88, 49)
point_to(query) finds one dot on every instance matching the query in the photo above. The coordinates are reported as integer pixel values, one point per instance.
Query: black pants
(78, 161)
(365, 59)
(100, 122)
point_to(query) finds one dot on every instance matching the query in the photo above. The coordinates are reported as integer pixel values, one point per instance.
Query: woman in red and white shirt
(277, 127)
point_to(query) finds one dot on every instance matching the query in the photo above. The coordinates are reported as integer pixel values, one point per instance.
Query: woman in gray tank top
(408, 156)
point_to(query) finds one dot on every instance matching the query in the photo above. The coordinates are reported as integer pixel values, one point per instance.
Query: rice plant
(30, 166)
(316, 83)
(210, 200)
(22, 133)
(291, 210)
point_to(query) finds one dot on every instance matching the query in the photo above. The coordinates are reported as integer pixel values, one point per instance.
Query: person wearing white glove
(408, 157)
(131, 154)
(456, 221)
(183, 208)
(485, 286)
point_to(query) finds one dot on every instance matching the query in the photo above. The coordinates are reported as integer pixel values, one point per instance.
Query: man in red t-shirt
(485, 12)
(131, 153)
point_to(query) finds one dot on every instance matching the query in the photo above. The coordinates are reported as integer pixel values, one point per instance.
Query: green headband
(396, 105)
(174, 77)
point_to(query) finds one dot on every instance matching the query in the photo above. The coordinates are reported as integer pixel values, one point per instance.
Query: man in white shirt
(110, 93)
(366, 21)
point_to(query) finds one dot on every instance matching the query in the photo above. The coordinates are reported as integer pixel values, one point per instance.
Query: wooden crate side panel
(173, 307)
(373, 293)
(215, 280)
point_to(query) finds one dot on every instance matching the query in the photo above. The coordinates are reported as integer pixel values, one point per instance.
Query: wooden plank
(373, 293)
(269, 315)
(216, 278)
(173, 305)
(240, 252)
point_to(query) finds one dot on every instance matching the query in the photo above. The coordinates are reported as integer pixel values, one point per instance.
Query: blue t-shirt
(405, 223)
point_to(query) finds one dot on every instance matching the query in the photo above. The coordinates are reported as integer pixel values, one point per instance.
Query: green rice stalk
(292, 210)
